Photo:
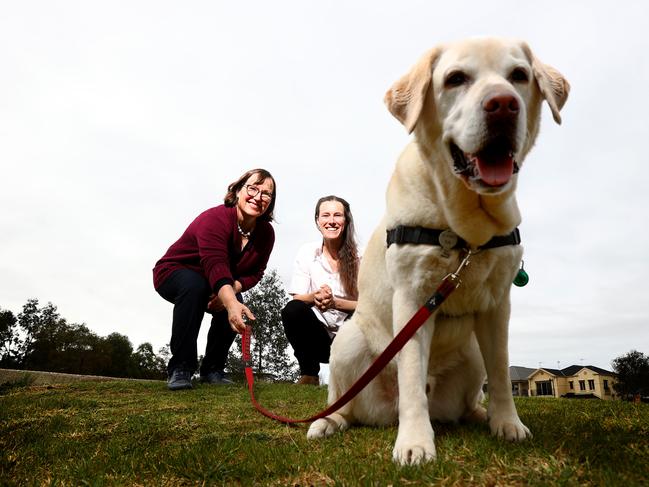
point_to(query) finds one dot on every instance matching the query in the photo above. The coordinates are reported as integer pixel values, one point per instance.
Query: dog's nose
(500, 104)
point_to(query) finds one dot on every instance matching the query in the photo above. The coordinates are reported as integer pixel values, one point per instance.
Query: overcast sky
(120, 121)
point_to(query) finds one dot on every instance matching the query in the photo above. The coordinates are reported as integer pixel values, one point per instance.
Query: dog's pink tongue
(496, 172)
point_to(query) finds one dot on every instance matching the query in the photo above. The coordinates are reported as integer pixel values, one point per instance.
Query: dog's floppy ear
(405, 98)
(554, 87)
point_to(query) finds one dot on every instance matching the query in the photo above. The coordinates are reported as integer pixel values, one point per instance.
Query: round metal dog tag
(447, 239)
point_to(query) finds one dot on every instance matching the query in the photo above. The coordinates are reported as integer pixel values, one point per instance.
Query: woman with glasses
(323, 287)
(222, 253)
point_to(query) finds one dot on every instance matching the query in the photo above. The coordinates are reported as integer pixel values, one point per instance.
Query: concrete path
(38, 378)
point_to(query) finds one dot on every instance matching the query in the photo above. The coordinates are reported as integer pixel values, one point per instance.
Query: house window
(591, 384)
(572, 385)
(605, 385)
(544, 388)
(582, 385)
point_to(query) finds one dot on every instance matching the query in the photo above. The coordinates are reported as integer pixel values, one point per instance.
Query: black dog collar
(447, 239)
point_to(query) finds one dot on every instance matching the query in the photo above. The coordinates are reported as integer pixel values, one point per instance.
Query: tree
(43, 328)
(40, 339)
(148, 364)
(269, 346)
(165, 354)
(9, 340)
(632, 372)
(79, 351)
(50, 343)
(120, 352)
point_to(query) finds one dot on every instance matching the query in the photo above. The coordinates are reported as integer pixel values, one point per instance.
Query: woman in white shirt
(323, 287)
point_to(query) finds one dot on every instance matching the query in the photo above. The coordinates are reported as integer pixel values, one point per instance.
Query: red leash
(447, 286)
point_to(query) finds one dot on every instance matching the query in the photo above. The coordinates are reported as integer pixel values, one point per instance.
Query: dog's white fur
(440, 372)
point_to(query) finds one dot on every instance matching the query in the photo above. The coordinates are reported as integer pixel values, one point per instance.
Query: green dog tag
(521, 278)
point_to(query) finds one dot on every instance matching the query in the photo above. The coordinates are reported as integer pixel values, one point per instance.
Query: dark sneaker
(180, 379)
(216, 377)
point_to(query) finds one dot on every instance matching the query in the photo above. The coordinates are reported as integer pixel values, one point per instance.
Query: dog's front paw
(509, 427)
(327, 426)
(414, 452)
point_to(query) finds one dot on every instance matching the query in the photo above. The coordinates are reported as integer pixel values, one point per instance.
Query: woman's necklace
(242, 233)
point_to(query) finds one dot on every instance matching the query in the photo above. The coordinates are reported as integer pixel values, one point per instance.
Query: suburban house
(575, 381)
(520, 384)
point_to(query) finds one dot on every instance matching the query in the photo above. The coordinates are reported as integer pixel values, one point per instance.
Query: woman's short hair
(262, 174)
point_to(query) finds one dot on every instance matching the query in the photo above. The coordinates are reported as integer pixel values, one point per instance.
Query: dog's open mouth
(492, 166)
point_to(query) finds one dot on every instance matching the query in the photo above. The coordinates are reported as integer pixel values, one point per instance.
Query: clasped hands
(324, 299)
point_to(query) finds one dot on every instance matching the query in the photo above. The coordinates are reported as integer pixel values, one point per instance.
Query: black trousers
(189, 292)
(307, 335)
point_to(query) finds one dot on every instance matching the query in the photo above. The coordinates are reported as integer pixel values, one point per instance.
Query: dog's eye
(456, 78)
(519, 75)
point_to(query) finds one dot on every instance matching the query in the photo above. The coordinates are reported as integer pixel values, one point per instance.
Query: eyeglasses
(254, 191)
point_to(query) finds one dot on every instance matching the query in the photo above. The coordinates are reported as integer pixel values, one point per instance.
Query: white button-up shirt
(312, 270)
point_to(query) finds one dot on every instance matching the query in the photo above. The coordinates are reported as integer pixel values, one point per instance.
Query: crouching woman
(323, 287)
(222, 253)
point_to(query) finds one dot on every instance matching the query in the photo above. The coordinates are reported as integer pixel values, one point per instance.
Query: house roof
(573, 369)
(556, 372)
(520, 373)
(517, 373)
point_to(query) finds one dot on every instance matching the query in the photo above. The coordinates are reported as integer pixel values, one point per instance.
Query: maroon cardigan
(211, 246)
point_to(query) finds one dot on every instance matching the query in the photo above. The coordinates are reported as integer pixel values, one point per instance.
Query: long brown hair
(231, 196)
(348, 253)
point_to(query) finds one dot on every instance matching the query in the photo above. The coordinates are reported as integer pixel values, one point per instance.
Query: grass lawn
(138, 433)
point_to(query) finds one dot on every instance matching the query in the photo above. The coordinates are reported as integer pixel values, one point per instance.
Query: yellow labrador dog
(474, 108)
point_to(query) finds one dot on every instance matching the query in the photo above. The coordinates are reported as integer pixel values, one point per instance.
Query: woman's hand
(237, 311)
(215, 305)
(324, 298)
(237, 314)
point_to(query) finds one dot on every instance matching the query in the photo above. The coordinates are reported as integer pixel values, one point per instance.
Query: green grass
(132, 433)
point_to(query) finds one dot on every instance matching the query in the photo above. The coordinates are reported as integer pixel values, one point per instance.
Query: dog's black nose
(500, 104)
